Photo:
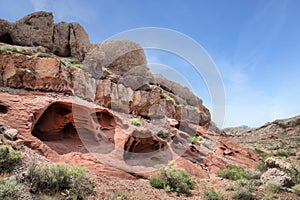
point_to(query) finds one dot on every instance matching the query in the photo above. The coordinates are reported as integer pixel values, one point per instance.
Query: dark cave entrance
(6, 38)
(142, 148)
(55, 127)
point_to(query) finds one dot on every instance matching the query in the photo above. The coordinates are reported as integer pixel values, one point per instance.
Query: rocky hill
(279, 134)
(98, 106)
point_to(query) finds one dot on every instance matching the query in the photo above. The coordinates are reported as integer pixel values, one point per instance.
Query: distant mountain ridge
(279, 134)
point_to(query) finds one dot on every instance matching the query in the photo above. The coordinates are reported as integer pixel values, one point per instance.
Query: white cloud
(41, 5)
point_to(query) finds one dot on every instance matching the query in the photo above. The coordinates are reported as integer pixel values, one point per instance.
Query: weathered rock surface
(46, 74)
(277, 176)
(83, 117)
(279, 163)
(79, 41)
(35, 29)
(279, 134)
(61, 37)
(11, 134)
(114, 57)
(38, 29)
(46, 123)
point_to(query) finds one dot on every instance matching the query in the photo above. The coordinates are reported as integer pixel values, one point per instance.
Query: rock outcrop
(114, 57)
(279, 134)
(38, 29)
(81, 112)
(277, 176)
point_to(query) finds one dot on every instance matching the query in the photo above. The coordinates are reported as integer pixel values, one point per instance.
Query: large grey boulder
(35, 29)
(277, 176)
(11, 133)
(114, 57)
(38, 29)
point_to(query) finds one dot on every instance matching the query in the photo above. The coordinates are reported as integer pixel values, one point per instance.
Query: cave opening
(56, 128)
(144, 149)
(6, 38)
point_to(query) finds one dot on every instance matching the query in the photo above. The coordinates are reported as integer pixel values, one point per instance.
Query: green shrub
(13, 49)
(72, 183)
(279, 153)
(271, 188)
(169, 98)
(163, 135)
(262, 153)
(232, 172)
(118, 195)
(283, 153)
(243, 183)
(174, 180)
(243, 194)
(296, 189)
(72, 63)
(252, 174)
(156, 182)
(261, 166)
(43, 55)
(136, 121)
(194, 139)
(8, 158)
(9, 190)
(211, 194)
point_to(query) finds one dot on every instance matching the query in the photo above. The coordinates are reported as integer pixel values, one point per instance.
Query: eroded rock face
(114, 57)
(38, 29)
(61, 37)
(129, 148)
(277, 176)
(114, 96)
(279, 134)
(144, 148)
(35, 29)
(79, 41)
(46, 74)
(51, 125)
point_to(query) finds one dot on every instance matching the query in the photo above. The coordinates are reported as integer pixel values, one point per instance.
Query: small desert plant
(261, 166)
(194, 139)
(163, 135)
(8, 158)
(243, 183)
(9, 190)
(169, 98)
(156, 182)
(243, 194)
(283, 153)
(117, 194)
(296, 189)
(262, 153)
(135, 121)
(43, 55)
(271, 188)
(10, 49)
(72, 63)
(173, 180)
(232, 172)
(72, 183)
(252, 174)
(211, 194)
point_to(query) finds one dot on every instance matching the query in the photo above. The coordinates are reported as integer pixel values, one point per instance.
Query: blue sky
(255, 44)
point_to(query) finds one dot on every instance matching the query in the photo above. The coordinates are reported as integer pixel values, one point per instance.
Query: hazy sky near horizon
(255, 44)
